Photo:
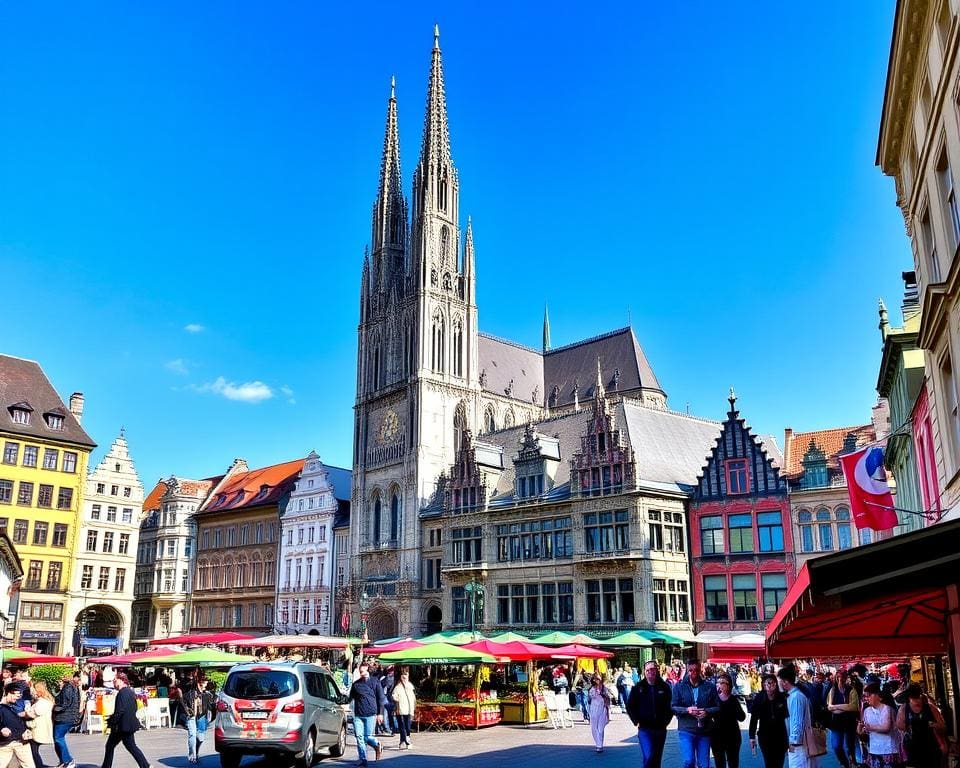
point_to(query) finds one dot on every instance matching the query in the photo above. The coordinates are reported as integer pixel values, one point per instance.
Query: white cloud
(247, 392)
(179, 366)
(194, 328)
(288, 393)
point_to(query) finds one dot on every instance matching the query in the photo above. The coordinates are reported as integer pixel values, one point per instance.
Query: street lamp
(364, 606)
(475, 591)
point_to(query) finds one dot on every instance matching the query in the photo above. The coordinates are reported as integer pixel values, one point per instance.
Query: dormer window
(20, 416)
(54, 421)
(264, 490)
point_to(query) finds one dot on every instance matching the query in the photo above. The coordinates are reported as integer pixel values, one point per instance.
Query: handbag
(815, 740)
(202, 723)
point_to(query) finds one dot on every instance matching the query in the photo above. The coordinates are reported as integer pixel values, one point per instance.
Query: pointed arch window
(458, 347)
(394, 517)
(376, 519)
(489, 419)
(459, 425)
(438, 343)
(443, 190)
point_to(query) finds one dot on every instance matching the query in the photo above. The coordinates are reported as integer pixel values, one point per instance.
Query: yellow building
(43, 469)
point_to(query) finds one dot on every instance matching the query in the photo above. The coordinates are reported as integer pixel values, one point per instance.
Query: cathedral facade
(429, 385)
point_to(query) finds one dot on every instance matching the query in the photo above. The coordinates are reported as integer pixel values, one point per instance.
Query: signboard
(36, 634)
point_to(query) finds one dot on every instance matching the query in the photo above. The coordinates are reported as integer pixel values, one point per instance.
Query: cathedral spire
(435, 149)
(469, 264)
(390, 209)
(546, 329)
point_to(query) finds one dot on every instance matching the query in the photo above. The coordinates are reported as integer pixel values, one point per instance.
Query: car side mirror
(342, 698)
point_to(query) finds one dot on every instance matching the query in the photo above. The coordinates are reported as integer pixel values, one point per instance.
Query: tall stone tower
(417, 373)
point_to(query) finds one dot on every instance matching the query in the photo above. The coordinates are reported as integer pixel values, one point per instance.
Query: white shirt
(881, 717)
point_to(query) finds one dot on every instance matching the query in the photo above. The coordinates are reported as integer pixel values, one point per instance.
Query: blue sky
(185, 196)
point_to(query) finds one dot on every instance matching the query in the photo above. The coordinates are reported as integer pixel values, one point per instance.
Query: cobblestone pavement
(500, 746)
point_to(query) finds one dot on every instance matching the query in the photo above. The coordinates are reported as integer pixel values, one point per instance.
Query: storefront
(42, 641)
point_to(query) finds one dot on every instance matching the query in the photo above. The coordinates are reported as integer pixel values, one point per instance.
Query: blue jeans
(651, 746)
(194, 739)
(60, 731)
(582, 703)
(843, 742)
(694, 749)
(363, 728)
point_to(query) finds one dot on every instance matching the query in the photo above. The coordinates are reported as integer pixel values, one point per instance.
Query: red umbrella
(214, 638)
(40, 658)
(399, 645)
(581, 652)
(515, 650)
(130, 658)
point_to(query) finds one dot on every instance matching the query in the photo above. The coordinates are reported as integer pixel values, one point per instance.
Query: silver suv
(279, 708)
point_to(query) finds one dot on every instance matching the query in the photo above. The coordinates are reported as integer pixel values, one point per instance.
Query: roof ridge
(831, 429)
(589, 340)
(640, 404)
(516, 344)
(22, 359)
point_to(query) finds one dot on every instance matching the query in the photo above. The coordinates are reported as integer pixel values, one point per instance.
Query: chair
(94, 723)
(158, 713)
(550, 699)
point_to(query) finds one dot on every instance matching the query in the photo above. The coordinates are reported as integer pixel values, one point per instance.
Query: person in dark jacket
(725, 741)
(769, 713)
(368, 699)
(13, 728)
(66, 715)
(695, 704)
(650, 710)
(123, 724)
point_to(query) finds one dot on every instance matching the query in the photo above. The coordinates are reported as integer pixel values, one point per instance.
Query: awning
(100, 642)
(882, 600)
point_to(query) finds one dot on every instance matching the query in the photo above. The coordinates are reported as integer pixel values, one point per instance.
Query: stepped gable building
(306, 561)
(742, 545)
(101, 585)
(238, 529)
(43, 471)
(819, 500)
(426, 376)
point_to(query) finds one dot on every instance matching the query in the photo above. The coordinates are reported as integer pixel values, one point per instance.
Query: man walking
(368, 699)
(798, 718)
(123, 724)
(12, 729)
(695, 702)
(650, 709)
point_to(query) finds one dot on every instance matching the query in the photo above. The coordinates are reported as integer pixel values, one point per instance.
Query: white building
(101, 582)
(304, 597)
(11, 574)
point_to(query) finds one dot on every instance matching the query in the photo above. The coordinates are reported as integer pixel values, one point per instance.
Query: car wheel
(229, 759)
(340, 747)
(309, 751)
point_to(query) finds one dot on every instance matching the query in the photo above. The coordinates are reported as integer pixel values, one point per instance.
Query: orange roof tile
(254, 488)
(830, 441)
(152, 501)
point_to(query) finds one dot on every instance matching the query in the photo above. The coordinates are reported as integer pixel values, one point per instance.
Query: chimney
(76, 405)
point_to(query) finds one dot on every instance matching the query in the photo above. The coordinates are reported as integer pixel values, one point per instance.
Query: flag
(870, 499)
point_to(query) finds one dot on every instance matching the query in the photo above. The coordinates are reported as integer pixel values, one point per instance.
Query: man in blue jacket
(695, 702)
(649, 708)
(368, 699)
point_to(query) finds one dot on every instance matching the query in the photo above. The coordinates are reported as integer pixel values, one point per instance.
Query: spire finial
(546, 328)
(393, 86)
(436, 36)
(733, 400)
(600, 390)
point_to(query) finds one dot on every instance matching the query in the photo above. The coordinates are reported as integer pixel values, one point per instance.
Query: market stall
(521, 700)
(206, 638)
(455, 687)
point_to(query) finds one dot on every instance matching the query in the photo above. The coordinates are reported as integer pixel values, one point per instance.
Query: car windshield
(261, 684)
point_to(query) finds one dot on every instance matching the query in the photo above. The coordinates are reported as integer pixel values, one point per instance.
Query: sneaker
(378, 750)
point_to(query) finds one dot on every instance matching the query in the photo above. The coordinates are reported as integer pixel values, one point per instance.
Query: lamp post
(364, 607)
(475, 591)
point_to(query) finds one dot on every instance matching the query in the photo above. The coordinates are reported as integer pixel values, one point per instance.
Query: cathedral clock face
(389, 427)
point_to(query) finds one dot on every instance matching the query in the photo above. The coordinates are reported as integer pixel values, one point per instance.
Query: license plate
(255, 715)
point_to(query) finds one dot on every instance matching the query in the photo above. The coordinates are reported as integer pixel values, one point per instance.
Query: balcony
(464, 567)
(604, 556)
(380, 546)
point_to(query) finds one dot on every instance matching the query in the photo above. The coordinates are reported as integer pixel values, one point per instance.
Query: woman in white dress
(598, 701)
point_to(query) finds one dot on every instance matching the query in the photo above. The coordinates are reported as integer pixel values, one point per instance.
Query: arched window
(459, 425)
(443, 192)
(824, 530)
(458, 347)
(805, 518)
(508, 418)
(376, 519)
(489, 419)
(844, 531)
(438, 342)
(394, 517)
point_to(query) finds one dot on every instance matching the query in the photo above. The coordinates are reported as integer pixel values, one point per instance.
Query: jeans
(195, 738)
(582, 703)
(651, 745)
(60, 731)
(387, 727)
(797, 757)
(129, 742)
(843, 742)
(694, 749)
(403, 726)
(363, 728)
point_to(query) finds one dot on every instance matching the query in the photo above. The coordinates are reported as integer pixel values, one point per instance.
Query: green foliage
(51, 674)
(218, 676)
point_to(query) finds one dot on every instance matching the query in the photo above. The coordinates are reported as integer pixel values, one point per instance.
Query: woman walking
(769, 714)
(196, 712)
(598, 699)
(879, 725)
(923, 728)
(843, 704)
(405, 699)
(42, 723)
(66, 716)
(725, 740)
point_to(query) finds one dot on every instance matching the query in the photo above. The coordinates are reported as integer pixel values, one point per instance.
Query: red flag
(870, 499)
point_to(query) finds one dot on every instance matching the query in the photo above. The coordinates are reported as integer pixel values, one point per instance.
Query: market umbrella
(211, 638)
(27, 658)
(565, 638)
(514, 651)
(452, 637)
(298, 641)
(629, 639)
(399, 645)
(438, 653)
(202, 657)
(581, 652)
(509, 637)
(132, 658)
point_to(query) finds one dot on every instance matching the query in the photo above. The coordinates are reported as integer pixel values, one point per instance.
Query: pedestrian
(196, 712)
(66, 715)
(123, 724)
(561, 688)
(695, 704)
(405, 702)
(14, 733)
(650, 711)
(599, 701)
(923, 728)
(21, 679)
(798, 718)
(725, 741)
(879, 725)
(625, 686)
(843, 705)
(768, 723)
(580, 686)
(41, 724)
(387, 682)
(366, 693)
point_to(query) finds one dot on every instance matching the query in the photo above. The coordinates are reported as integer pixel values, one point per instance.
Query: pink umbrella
(131, 658)
(399, 645)
(581, 652)
(215, 638)
(515, 650)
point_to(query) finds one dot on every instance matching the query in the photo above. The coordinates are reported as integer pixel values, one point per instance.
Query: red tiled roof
(255, 487)
(152, 501)
(830, 441)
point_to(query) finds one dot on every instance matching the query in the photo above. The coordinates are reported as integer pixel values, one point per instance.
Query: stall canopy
(154, 654)
(398, 645)
(201, 657)
(438, 653)
(732, 647)
(24, 657)
(515, 650)
(297, 641)
(578, 651)
(451, 637)
(509, 637)
(210, 638)
(565, 638)
(630, 639)
(882, 600)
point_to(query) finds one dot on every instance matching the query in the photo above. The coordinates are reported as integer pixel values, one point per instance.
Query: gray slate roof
(504, 361)
(340, 479)
(23, 381)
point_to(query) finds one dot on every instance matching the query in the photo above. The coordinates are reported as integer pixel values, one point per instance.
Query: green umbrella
(438, 653)
(451, 636)
(629, 639)
(509, 637)
(565, 638)
(664, 637)
(199, 657)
